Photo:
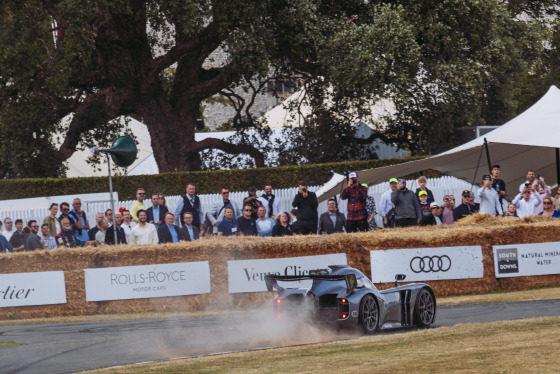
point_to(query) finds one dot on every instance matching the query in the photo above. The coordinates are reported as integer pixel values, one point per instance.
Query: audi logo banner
(424, 264)
(518, 260)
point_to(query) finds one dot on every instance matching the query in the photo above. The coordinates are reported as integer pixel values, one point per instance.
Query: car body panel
(322, 302)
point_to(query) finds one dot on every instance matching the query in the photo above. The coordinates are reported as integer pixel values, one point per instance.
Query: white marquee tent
(530, 141)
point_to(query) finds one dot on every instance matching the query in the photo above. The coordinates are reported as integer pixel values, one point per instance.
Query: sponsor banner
(424, 264)
(517, 260)
(248, 275)
(41, 288)
(147, 281)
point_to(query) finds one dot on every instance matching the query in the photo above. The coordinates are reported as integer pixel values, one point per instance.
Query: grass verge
(10, 343)
(525, 346)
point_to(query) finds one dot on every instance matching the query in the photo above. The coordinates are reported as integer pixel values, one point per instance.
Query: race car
(345, 297)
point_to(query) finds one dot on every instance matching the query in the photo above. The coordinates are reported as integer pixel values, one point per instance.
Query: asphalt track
(71, 347)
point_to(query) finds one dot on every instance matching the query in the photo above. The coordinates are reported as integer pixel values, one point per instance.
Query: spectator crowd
(399, 206)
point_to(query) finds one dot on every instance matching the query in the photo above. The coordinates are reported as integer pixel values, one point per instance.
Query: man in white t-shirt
(264, 223)
(143, 232)
(8, 228)
(127, 224)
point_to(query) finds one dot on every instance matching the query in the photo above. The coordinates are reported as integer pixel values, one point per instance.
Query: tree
(90, 62)
(74, 67)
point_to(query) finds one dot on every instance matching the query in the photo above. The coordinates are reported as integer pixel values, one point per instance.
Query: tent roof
(527, 142)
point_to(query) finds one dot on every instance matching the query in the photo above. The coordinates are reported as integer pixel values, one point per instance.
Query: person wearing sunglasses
(525, 205)
(465, 208)
(33, 241)
(548, 209)
(138, 204)
(65, 213)
(216, 214)
(246, 223)
(8, 228)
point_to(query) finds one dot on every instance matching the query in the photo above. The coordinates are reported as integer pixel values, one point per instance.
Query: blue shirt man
(81, 222)
(228, 226)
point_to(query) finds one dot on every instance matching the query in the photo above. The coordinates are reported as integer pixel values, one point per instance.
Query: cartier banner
(518, 260)
(423, 264)
(248, 275)
(41, 288)
(147, 281)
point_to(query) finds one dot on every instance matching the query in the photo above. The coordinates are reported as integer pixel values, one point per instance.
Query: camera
(527, 184)
(446, 200)
(537, 176)
(304, 190)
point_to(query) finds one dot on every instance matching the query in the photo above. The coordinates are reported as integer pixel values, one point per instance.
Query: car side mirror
(399, 278)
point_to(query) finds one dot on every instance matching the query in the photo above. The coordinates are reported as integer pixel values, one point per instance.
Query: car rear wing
(271, 280)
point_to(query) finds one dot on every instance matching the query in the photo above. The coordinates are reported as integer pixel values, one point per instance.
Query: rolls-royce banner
(147, 281)
(423, 264)
(517, 260)
(41, 288)
(248, 275)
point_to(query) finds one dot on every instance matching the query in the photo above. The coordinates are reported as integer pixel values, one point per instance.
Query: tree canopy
(69, 69)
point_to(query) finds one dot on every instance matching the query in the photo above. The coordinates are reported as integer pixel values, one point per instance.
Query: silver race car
(345, 297)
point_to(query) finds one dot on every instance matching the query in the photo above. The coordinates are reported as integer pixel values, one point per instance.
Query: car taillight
(343, 316)
(344, 301)
(278, 301)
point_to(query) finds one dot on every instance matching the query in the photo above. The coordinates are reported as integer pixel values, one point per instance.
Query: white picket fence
(439, 186)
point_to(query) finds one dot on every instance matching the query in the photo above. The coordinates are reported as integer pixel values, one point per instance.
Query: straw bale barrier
(480, 230)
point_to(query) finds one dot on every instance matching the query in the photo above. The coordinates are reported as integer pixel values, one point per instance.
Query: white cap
(353, 175)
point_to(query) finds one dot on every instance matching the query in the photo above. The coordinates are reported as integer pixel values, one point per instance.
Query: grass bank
(526, 346)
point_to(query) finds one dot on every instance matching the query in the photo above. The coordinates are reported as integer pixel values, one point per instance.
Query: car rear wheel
(369, 314)
(425, 308)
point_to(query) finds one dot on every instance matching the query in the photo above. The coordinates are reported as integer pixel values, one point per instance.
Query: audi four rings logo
(428, 264)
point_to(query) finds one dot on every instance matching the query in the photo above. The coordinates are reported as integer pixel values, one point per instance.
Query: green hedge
(174, 183)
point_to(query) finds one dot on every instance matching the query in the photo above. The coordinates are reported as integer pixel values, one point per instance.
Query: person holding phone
(306, 203)
(489, 201)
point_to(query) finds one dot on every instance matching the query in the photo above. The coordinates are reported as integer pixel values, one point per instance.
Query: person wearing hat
(356, 194)
(433, 218)
(466, 208)
(424, 205)
(386, 206)
(489, 200)
(407, 208)
(422, 181)
(254, 201)
(306, 204)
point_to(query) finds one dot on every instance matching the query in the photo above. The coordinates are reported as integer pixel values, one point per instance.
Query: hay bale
(483, 230)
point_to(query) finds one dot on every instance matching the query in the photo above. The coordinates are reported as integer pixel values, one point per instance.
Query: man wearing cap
(386, 206)
(356, 194)
(489, 201)
(306, 204)
(424, 205)
(434, 217)
(254, 201)
(407, 208)
(466, 208)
